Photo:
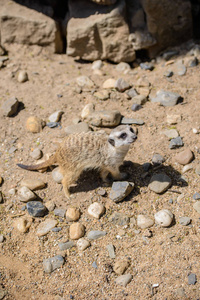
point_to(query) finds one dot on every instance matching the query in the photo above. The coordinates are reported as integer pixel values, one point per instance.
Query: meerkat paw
(121, 176)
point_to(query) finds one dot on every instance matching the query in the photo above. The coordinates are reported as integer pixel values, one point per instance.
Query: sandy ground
(168, 257)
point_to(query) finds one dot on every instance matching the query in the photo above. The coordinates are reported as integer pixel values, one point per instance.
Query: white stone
(97, 64)
(22, 76)
(55, 117)
(109, 83)
(144, 221)
(84, 81)
(36, 154)
(83, 244)
(164, 217)
(26, 194)
(96, 210)
(87, 110)
(57, 175)
(187, 168)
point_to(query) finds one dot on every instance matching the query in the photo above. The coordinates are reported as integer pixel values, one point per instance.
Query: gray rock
(158, 159)
(184, 221)
(60, 212)
(119, 219)
(123, 67)
(169, 54)
(146, 66)
(192, 278)
(176, 143)
(77, 128)
(36, 209)
(166, 98)
(180, 69)
(56, 229)
(136, 107)
(129, 121)
(10, 107)
(26, 194)
(193, 62)
(46, 226)
(105, 118)
(196, 196)
(94, 265)
(168, 73)
(171, 133)
(196, 206)
(121, 85)
(111, 250)
(66, 245)
(120, 190)
(36, 154)
(124, 279)
(159, 183)
(53, 263)
(132, 93)
(57, 175)
(95, 234)
(84, 81)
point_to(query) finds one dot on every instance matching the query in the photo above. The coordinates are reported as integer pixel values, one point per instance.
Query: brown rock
(34, 124)
(120, 267)
(184, 157)
(76, 231)
(72, 214)
(23, 224)
(33, 184)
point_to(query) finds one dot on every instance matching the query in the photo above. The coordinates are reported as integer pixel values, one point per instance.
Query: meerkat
(91, 150)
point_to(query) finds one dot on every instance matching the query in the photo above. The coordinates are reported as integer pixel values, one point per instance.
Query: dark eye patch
(131, 130)
(123, 135)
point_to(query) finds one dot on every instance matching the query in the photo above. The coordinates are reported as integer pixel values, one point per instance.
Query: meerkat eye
(123, 135)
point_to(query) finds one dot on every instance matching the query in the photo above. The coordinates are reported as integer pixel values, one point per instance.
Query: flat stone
(129, 121)
(57, 175)
(171, 133)
(166, 98)
(158, 159)
(59, 212)
(83, 244)
(121, 85)
(197, 169)
(196, 196)
(184, 157)
(144, 221)
(22, 76)
(164, 217)
(192, 278)
(124, 279)
(23, 224)
(105, 118)
(77, 128)
(72, 214)
(196, 206)
(173, 119)
(26, 194)
(139, 99)
(84, 81)
(109, 83)
(66, 245)
(36, 209)
(119, 219)
(76, 231)
(36, 154)
(184, 221)
(159, 183)
(53, 263)
(96, 210)
(176, 143)
(102, 95)
(33, 184)
(120, 190)
(55, 117)
(10, 107)
(46, 226)
(111, 251)
(95, 234)
(120, 266)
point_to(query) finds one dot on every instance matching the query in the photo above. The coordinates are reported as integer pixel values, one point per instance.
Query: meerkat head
(122, 136)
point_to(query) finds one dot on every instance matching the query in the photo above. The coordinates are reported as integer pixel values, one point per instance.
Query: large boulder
(21, 25)
(169, 22)
(98, 32)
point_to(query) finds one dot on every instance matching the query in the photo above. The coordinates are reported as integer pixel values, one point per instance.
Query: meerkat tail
(36, 167)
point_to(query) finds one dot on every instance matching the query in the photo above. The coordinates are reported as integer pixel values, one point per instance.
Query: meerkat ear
(111, 141)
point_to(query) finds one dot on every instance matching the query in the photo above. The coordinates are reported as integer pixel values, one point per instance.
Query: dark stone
(36, 209)
(136, 107)
(175, 143)
(146, 166)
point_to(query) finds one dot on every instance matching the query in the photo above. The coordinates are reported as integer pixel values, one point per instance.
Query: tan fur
(91, 150)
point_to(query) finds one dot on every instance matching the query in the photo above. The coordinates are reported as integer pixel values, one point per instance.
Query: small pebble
(26, 194)
(192, 278)
(95, 234)
(56, 229)
(136, 107)
(72, 214)
(196, 196)
(132, 93)
(36, 209)
(77, 128)
(46, 226)
(66, 245)
(34, 124)
(120, 190)
(111, 250)
(96, 210)
(184, 157)
(102, 192)
(1, 238)
(53, 263)
(168, 73)
(76, 231)
(130, 121)
(50, 205)
(109, 83)
(175, 143)
(187, 168)
(158, 159)
(144, 221)
(159, 183)
(102, 95)
(196, 206)
(23, 224)
(120, 266)
(146, 166)
(10, 107)
(164, 217)
(84, 81)
(22, 76)
(59, 212)
(166, 98)
(124, 279)
(121, 85)
(83, 244)
(173, 119)
(139, 99)
(57, 175)
(97, 64)
(184, 221)
(94, 265)
(53, 124)
(36, 154)
(119, 219)
(146, 66)
(171, 133)
(56, 116)
(123, 67)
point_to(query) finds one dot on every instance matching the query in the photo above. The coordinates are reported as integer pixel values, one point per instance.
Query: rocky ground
(42, 257)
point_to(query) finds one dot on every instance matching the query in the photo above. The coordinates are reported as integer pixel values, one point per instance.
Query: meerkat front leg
(104, 174)
(117, 175)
